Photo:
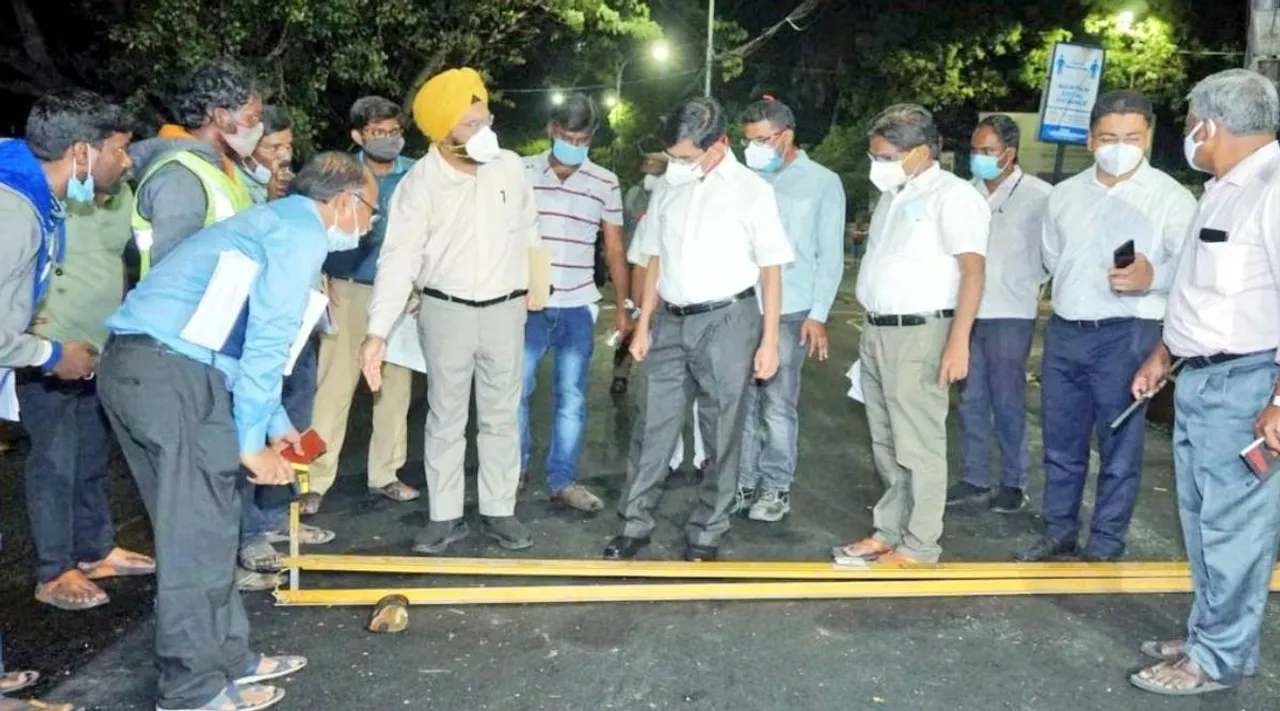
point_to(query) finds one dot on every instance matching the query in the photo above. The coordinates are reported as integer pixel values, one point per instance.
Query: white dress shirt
(1226, 295)
(1087, 221)
(714, 235)
(1014, 273)
(916, 233)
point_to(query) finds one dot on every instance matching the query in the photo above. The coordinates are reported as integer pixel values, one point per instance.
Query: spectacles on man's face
(374, 213)
(475, 125)
(383, 133)
(761, 140)
(685, 160)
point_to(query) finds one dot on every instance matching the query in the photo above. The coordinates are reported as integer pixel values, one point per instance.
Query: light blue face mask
(81, 190)
(341, 240)
(985, 167)
(567, 153)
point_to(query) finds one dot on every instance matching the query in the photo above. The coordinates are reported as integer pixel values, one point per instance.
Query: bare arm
(972, 275)
(616, 255)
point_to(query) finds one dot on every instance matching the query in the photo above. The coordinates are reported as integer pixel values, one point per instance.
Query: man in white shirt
(576, 198)
(920, 283)
(1001, 343)
(1224, 321)
(715, 235)
(1106, 319)
(461, 226)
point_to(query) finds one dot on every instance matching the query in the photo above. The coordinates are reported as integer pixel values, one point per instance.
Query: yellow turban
(445, 99)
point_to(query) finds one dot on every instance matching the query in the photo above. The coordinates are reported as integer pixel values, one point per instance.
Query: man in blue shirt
(811, 204)
(376, 126)
(191, 380)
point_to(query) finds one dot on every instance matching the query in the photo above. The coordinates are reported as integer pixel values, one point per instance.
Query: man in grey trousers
(716, 235)
(811, 203)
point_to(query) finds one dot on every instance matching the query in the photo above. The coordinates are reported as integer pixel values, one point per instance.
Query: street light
(610, 100)
(661, 51)
(557, 98)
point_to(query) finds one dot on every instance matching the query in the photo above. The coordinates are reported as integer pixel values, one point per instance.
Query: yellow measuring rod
(697, 592)
(728, 570)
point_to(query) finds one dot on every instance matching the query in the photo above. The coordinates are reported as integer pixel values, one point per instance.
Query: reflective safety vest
(224, 196)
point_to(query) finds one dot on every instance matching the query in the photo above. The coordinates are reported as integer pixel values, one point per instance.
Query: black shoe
(965, 493)
(1093, 556)
(701, 554)
(439, 535)
(619, 386)
(1008, 500)
(624, 547)
(508, 532)
(1047, 549)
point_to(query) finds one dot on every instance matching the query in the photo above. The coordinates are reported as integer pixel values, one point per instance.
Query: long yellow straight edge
(726, 570)
(691, 592)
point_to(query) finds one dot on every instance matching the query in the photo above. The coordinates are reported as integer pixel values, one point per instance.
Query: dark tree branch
(33, 43)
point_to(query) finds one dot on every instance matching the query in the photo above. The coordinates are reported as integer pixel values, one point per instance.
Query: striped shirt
(570, 215)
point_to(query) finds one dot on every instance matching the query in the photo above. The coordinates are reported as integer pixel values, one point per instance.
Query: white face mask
(245, 140)
(1190, 145)
(341, 240)
(651, 182)
(483, 146)
(682, 173)
(1116, 159)
(888, 174)
(763, 157)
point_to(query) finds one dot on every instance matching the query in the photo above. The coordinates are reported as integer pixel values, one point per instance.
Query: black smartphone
(1124, 255)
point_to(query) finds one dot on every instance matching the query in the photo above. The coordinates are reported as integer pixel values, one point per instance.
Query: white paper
(404, 348)
(855, 381)
(594, 310)
(8, 395)
(317, 304)
(224, 298)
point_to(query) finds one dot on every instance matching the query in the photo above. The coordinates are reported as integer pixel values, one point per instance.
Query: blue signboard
(1075, 76)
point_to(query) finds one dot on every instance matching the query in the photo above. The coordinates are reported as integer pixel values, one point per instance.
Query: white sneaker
(770, 506)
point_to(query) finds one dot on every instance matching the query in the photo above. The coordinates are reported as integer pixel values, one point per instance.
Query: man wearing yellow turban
(460, 228)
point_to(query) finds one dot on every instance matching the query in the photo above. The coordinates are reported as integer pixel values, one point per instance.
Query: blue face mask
(567, 153)
(341, 240)
(985, 167)
(81, 190)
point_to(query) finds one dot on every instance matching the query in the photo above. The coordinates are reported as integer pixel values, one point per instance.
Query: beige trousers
(907, 412)
(485, 345)
(336, 382)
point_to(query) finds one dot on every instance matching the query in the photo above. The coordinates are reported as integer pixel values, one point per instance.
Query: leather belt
(437, 294)
(1204, 361)
(908, 319)
(1099, 323)
(704, 307)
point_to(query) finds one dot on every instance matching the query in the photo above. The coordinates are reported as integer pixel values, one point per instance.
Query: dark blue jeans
(997, 385)
(571, 333)
(1087, 373)
(266, 508)
(66, 473)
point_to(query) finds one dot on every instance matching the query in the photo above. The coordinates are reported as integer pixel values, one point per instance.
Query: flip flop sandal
(309, 504)
(49, 594)
(1205, 686)
(396, 491)
(390, 615)
(35, 705)
(308, 535)
(284, 666)
(260, 557)
(1152, 649)
(134, 565)
(17, 681)
(240, 698)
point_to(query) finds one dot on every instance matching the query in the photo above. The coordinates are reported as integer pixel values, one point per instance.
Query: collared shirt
(811, 203)
(361, 264)
(713, 236)
(1014, 270)
(466, 235)
(88, 285)
(286, 238)
(1086, 221)
(1226, 294)
(917, 231)
(570, 214)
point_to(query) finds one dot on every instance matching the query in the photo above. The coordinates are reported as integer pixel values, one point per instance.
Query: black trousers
(173, 418)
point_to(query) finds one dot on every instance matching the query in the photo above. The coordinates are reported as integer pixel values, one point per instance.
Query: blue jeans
(769, 462)
(571, 333)
(266, 508)
(997, 385)
(66, 473)
(1087, 375)
(1230, 519)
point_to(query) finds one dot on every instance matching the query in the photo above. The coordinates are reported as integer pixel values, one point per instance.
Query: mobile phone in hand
(1124, 255)
(1260, 459)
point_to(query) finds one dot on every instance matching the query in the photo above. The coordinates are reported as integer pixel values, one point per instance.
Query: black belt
(1204, 361)
(706, 306)
(437, 294)
(908, 319)
(1099, 323)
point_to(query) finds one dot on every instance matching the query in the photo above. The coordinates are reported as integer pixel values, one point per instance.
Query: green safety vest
(223, 197)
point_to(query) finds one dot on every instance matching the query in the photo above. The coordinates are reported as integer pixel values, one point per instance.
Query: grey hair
(699, 120)
(778, 114)
(907, 126)
(1244, 102)
(327, 175)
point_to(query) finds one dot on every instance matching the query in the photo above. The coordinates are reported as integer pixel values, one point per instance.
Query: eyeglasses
(684, 160)
(761, 140)
(379, 133)
(374, 213)
(478, 124)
